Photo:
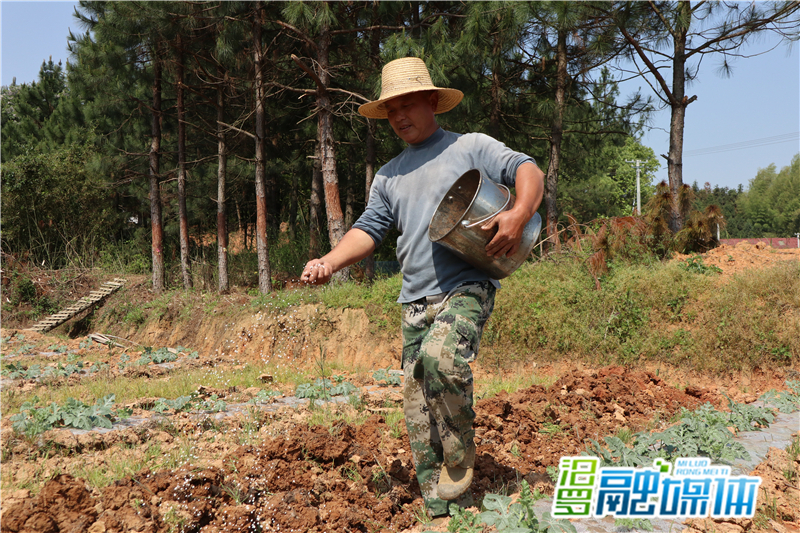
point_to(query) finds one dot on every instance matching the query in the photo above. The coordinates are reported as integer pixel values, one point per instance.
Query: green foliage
(506, 517)
(33, 420)
(161, 355)
(213, 404)
(385, 375)
(19, 371)
(633, 524)
(784, 401)
(264, 396)
(463, 521)
(26, 290)
(695, 264)
(611, 189)
(647, 311)
(772, 201)
(27, 108)
(702, 432)
(59, 370)
(181, 403)
(325, 389)
(55, 207)
(188, 403)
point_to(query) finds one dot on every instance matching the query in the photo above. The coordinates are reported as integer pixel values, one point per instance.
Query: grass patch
(654, 311)
(117, 466)
(395, 419)
(330, 415)
(494, 384)
(748, 321)
(129, 389)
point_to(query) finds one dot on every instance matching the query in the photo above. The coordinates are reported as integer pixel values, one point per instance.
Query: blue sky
(737, 125)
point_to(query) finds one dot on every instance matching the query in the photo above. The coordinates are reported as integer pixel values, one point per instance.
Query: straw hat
(404, 76)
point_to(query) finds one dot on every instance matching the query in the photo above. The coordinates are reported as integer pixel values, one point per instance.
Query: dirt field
(744, 256)
(270, 468)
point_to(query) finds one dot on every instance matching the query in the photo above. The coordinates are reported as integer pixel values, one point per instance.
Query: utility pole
(638, 187)
(798, 239)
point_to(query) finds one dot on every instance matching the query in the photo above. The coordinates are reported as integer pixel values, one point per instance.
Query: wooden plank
(105, 290)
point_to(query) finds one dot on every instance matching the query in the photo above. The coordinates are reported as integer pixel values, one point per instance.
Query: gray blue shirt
(406, 192)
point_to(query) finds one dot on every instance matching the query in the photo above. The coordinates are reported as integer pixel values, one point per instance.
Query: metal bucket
(472, 201)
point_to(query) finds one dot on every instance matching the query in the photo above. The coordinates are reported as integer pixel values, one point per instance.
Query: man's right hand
(354, 246)
(316, 272)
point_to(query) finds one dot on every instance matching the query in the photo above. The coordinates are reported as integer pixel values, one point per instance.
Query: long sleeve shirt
(406, 192)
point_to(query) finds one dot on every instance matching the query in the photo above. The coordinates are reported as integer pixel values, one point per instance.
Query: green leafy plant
(20, 371)
(703, 432)
(324, 389)
(33, 420)
(384, 374)
(56, 348)
(784, 401)
(506, 517)
(633, 524)
(181, 403)
(213, 404)
(463, 521)
(162, 355)
(552, 473)
(264, 396)
(550, 429)
(548, 524)
(695, 264)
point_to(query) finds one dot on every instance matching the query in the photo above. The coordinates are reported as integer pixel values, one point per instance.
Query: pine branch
(229, 126)
(653, 69)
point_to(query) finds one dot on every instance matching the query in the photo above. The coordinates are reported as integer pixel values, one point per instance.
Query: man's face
(413, 116)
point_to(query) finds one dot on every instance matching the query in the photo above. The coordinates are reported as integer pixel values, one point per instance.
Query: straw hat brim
(448, 99)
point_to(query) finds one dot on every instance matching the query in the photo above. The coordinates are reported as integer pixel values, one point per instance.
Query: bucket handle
(486, 219)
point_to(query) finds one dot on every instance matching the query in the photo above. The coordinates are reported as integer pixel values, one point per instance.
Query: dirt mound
(744, 256)
(64, 504)
(533, 428)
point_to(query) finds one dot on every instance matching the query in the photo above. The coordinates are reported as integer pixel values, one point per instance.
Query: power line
(755, 143)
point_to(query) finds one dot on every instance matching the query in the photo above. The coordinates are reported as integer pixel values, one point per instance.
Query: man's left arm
(510, 224)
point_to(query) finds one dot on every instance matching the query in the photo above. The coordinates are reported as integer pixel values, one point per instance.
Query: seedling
(633, 524)
(33, 420)
(384, 374)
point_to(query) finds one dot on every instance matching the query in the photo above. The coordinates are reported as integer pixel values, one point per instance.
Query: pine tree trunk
(333, 206)
(556, 133)
(242, 227)
(372, 126)
(494, 113)
(293, 207)
(349, 196)
(315, 208)
(182, 215)
(372, 130)
(264, 275)
(678, 105)
(157, 228)
(293, 196)
(222, 174)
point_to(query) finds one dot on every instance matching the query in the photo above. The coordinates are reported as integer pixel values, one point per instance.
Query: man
(446, 301)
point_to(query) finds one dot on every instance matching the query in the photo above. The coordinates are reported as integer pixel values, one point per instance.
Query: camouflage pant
(440, 339)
